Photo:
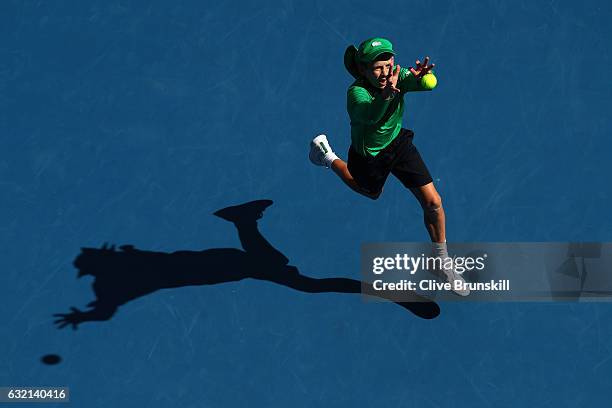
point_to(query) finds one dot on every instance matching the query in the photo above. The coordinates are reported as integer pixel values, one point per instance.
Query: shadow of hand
(73, 318)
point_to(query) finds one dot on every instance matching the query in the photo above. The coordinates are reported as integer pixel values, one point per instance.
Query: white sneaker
(451, 277)
(321, 152)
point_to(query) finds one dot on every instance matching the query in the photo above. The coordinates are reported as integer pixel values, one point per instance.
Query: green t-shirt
(375, 122)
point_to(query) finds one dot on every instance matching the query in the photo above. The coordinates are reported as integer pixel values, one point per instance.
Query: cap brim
(350, 62)
(378, 54)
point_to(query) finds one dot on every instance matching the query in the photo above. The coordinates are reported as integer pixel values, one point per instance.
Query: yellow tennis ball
(429, 81)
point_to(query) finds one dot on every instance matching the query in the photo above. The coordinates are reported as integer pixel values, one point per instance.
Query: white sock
(440, 249)
(329, 158)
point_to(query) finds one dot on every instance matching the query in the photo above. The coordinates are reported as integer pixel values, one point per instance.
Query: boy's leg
(435, 220)
(340, 167)
(433, 212)
(322, 154)
(412, 171)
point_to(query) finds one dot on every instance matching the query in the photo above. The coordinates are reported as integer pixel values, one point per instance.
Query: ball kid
(379, 144)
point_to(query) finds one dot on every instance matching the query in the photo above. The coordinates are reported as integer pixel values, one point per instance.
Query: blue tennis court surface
(131, 124)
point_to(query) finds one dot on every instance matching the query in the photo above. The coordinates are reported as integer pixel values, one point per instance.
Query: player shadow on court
(123, 275)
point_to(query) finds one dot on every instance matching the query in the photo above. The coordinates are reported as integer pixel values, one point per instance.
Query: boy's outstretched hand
(422, 68)
(391, 88)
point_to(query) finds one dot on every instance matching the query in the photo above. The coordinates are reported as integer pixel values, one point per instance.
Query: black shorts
(400, 158)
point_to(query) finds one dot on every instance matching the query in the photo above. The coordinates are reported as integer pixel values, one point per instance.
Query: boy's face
(378, 72)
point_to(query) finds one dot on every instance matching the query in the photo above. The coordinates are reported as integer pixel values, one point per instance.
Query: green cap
(368, 51)
(371, 48)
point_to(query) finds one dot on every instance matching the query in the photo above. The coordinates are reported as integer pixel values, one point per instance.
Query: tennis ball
(429, 81)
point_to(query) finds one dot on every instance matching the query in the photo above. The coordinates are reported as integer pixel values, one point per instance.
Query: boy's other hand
(391, 88)
(422, 69)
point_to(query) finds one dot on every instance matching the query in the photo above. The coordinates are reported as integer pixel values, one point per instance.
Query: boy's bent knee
(433, 205)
